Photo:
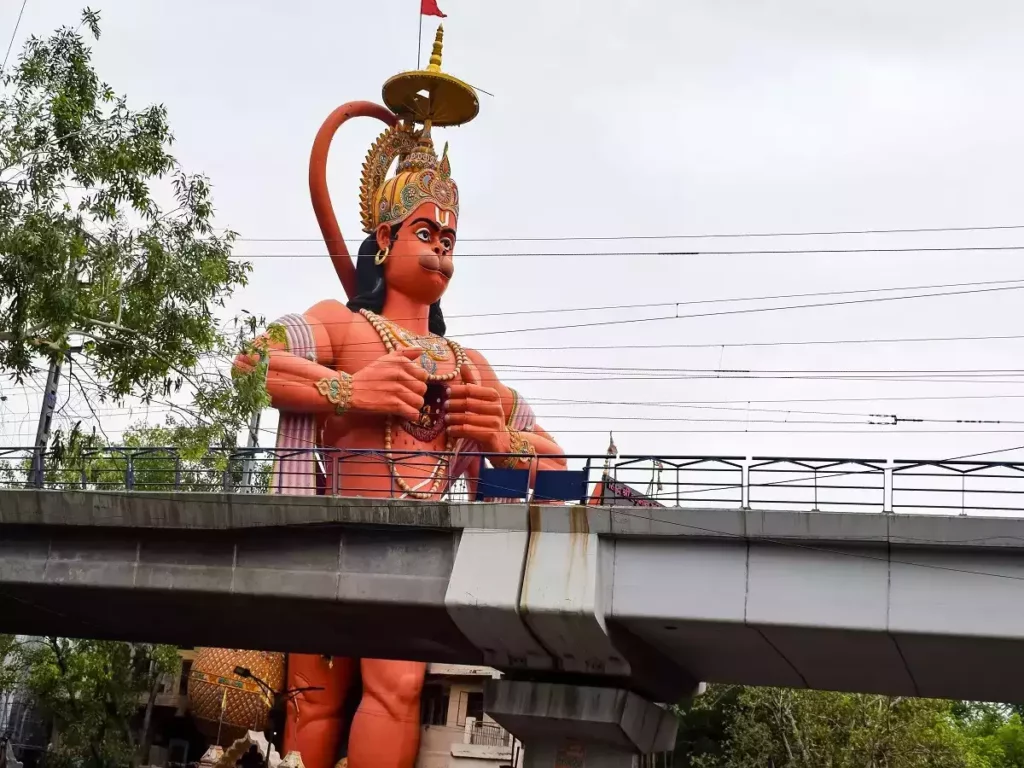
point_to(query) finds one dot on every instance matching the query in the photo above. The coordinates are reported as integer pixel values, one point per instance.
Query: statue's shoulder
(329, 310)
(337, 320)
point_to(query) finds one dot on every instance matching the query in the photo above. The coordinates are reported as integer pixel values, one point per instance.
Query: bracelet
(517, 445)
(338, 391)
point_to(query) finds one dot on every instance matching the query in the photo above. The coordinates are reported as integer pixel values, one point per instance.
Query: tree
(87, 251)
(92, 690)
(995, 731)
(782, 727)
(10, 671)
(160, 458)
(734, 727)
(705, 723)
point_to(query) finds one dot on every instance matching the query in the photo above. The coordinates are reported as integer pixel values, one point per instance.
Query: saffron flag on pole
(429, 8)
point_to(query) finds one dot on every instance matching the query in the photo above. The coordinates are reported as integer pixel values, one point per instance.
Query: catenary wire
(702, 252)
(718, 313)
(14, 34)
(1008, 283)
(677, 236)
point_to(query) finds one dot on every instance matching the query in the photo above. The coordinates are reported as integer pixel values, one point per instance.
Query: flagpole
(419, 40)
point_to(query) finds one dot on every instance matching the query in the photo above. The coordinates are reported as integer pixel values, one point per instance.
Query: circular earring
(381, 256)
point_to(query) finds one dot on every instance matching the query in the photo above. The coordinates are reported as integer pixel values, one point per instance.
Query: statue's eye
(447, 243)
(423, 234)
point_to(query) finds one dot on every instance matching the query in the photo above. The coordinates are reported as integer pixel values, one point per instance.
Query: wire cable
(14, 34)
(676, 236)
(703, 252)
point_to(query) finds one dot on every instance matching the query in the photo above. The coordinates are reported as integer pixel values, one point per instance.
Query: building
(456, 733)
(175, 741)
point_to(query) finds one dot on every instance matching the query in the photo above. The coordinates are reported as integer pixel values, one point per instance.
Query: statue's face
(419, 264)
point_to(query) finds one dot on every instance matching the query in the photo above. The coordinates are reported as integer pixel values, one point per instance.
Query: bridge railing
(801, 483)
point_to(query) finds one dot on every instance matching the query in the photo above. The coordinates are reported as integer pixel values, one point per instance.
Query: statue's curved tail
(318, 185)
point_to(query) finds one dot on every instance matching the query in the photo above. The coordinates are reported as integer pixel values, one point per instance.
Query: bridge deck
(901, 604)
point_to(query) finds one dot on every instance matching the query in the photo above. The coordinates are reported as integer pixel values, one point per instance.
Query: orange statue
(379, 374)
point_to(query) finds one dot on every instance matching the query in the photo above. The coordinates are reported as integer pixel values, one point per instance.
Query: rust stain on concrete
(533, 529)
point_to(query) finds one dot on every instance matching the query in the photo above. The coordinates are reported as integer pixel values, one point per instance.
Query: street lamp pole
(276, 699)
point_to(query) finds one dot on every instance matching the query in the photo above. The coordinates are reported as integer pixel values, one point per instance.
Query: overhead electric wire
(725, 300)
(14, 34)
(702, 252)
(524, 367)
(971, 288)
(743, 311)
(717, 344)
(718, 313)
(741, 401)
(688, 377)
(677, 236)
(1007, 282)
(865, 418)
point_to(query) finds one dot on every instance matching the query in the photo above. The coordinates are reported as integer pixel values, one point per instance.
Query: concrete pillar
(572, 726)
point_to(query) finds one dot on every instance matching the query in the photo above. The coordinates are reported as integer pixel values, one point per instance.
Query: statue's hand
(475, 412)
(391, 384)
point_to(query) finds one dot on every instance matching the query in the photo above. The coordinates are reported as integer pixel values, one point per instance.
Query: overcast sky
(648, 118)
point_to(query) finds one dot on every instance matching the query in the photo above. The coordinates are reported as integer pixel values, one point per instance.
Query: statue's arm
(391, 384)
(504, 437)
(291, 379)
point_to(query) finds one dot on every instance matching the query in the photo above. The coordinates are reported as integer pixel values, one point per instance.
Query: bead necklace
(434, 347)
(392, 336)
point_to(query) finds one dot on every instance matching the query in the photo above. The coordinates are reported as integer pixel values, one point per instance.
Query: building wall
(448, 744)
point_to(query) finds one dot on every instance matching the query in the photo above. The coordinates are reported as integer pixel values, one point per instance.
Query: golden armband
(338, 391)
(520, 449)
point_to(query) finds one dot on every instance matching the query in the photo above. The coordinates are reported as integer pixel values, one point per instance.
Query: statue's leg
(315, 719)
(386, 729)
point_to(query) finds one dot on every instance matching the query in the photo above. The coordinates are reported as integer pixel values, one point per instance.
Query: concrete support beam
(566, 591)
(595, 727)
(483, 598)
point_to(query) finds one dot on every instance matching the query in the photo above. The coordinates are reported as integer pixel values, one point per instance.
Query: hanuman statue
(379, 374)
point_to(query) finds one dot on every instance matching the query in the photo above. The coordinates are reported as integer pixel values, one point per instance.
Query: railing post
(129, 472)
(963, 494)
(745, 483)
(226, 478)
(887, 480)
(467, 737)
(37, 468)
(815, 507)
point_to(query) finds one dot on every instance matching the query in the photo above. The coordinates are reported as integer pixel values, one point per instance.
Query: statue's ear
(383, 237)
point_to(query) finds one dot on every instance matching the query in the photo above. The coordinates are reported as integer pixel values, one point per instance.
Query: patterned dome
(213, 684)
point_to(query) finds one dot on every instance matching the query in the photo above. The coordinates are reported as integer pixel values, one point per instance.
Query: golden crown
(429, 97)
(419, 177)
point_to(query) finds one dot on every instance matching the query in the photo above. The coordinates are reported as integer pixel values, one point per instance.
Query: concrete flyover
(646, 600)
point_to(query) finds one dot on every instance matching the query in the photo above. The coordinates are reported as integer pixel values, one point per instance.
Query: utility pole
(250, 459)
(45, 420)
(252, 442)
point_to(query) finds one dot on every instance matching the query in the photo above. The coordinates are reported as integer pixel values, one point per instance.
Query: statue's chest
(442, 360)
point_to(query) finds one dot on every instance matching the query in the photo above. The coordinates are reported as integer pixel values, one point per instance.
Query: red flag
(429, 8)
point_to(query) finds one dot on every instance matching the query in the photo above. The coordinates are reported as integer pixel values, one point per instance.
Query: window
(186, 670)
(434, 705)
(475, 705)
